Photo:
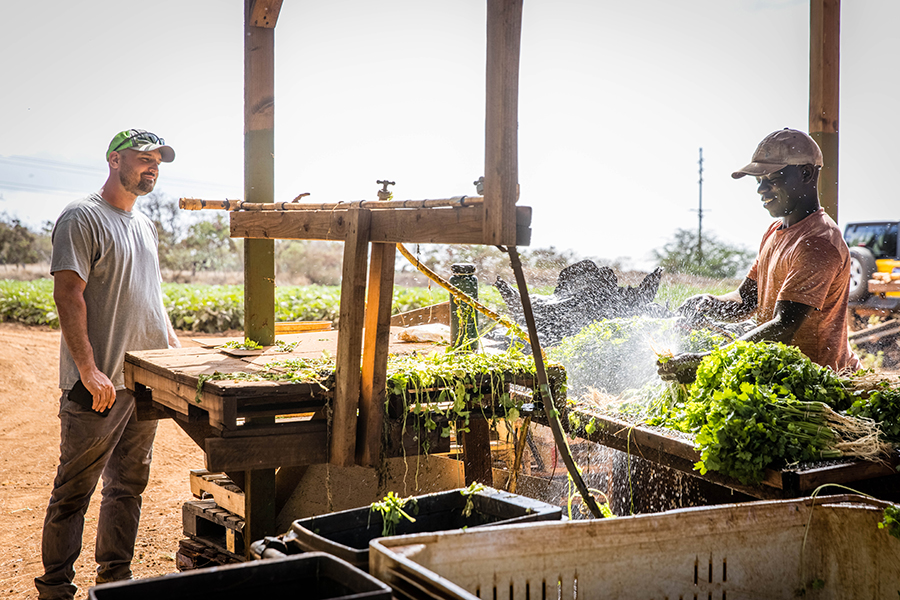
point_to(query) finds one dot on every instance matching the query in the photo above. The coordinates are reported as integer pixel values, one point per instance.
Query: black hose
(549, 408)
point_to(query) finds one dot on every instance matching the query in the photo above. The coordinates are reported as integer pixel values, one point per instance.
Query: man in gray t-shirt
(109, 301)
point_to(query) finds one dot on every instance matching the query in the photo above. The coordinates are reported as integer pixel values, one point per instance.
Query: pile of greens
(883, 407)
(460, 380)
(754, 405)
(447, 382)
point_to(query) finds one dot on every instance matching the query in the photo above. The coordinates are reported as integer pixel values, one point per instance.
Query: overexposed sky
(615, 99)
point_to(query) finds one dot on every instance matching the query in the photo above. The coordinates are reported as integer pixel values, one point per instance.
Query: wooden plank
(418, 226)
(350, 331)
(264, 13)
(436, 313)
(375, 354)
(226, 494)
(504, 27)
(268, 452)
(881, 287)
(807, 480)
(824, 94)
(300, 326)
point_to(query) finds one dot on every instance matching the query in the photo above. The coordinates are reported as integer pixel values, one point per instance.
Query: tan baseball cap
(780, 149)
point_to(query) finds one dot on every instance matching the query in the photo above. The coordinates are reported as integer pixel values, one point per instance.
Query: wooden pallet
(192, 554)
(218, 487)
(206, 522)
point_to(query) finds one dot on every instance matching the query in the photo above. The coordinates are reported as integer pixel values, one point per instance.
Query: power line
(76, 169)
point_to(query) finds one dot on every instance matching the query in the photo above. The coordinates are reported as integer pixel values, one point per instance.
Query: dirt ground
(29, 450)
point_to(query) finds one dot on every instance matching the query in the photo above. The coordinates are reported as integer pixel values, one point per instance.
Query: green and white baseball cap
(142, 141)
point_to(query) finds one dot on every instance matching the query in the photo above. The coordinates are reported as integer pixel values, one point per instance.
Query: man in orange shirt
(799, 284)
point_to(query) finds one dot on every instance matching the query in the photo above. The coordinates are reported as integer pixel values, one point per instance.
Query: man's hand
(103, 390)
(681, 368)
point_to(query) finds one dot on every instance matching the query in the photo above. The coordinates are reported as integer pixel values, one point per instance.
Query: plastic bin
(346, 534)
(729, 552)
(311, 576)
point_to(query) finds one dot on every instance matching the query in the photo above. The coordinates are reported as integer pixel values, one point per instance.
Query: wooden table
(263, 434)
(655, 445)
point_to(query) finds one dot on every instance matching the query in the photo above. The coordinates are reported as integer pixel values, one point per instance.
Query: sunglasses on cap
(136, 138)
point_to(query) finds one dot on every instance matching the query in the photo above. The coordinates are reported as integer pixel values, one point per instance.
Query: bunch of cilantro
(758, 404)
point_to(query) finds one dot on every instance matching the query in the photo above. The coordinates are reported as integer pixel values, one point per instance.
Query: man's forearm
(72, 312)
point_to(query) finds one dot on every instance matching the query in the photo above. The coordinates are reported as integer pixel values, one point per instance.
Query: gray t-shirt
(116, 253)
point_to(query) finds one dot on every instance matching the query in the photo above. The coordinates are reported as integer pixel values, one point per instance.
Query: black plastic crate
(346, 534)
(311, 576)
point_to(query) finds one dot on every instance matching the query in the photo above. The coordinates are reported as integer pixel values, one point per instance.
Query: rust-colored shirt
(809, 263)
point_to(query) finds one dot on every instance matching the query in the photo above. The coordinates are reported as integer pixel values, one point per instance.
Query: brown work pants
(118, 447)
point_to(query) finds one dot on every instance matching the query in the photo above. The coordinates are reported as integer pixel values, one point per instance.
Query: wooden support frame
(824, 94)
(259, 168)
(414, 226)
(504, 27)
(497, 222)
(350, 327)
(264, 13)
(375, 354)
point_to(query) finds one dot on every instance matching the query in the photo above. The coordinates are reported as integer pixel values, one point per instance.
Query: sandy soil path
(29, 449)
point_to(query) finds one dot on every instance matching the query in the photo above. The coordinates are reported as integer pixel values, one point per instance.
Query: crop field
(217, 308)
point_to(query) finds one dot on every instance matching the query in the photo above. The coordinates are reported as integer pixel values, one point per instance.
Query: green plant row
(206, 308)
(217, 308)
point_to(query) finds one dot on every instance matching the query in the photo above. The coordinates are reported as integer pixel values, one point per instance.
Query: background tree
(19, 245)
(720, 260)
(301, 262)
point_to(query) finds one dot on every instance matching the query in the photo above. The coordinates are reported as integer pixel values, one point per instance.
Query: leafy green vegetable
(883, 407)
(458, 381)
(392, 510)
(755, 405)
(247, 344)
(891, 520)
(468, 494)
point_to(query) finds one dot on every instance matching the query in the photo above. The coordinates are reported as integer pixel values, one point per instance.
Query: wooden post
(824, 93)
(350, 329)
(259, 169)
(501, 177)
(375, 353)
(476, 444)
(260, 17)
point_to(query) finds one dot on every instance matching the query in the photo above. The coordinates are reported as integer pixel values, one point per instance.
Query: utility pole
(700, 215)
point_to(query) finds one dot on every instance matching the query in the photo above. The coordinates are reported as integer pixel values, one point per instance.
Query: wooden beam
(414, 226)
(501, 177)
(350, 330)
(824, 94)
(264, 13)
(375, 354)
(302, 446)
(436, 313)
(259, 168)
(476, 445)
(259, 505)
